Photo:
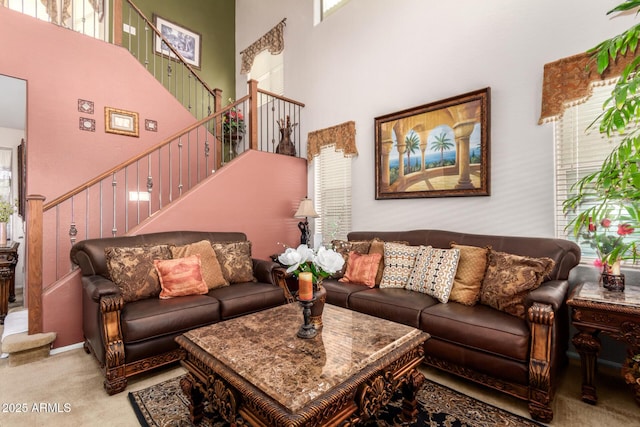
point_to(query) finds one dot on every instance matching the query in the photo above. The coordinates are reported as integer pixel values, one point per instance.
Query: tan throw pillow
(180, 277)
(132, 270)
(434, 272)
(377, 247)
(362, 269)
(510, 278)
(210, 267)
(235, 261)
(343, 247)
(470, 274)
(398, 264)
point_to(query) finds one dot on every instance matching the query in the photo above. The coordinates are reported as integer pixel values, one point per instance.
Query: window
(330, 6)
(579, 152)
(332, 195)
(268, 70)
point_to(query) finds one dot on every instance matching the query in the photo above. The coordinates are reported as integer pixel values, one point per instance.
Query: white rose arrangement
(321, 263)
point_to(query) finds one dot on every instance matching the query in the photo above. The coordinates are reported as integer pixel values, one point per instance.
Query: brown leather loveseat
(133, 337)
(518, 356)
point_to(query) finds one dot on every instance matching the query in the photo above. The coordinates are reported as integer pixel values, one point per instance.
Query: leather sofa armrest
(97, 286)
(552, 292)
(264, 271)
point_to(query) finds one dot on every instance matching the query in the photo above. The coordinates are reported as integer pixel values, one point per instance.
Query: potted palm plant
(612, 194)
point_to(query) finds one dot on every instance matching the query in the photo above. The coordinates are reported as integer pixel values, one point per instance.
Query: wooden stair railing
(162, 173)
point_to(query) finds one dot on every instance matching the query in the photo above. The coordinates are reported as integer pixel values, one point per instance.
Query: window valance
(52, 10)
(568, 81)
(273, 40)
(343, 136)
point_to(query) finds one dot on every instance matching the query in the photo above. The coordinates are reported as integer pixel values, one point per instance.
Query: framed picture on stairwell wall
(188, 43)
(439, 149)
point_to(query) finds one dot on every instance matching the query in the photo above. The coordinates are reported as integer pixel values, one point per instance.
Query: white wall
(374, 57)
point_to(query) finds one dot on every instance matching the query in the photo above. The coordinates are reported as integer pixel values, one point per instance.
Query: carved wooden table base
(343, 376)
(595, 310)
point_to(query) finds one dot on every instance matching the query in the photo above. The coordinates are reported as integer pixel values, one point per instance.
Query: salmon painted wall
(60, 67)
(260, 204)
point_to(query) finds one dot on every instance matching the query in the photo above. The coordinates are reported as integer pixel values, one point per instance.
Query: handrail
(281, 98)
(140, 156)
(174, 50)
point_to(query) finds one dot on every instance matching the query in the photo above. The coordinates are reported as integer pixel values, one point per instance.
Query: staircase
(131, 194)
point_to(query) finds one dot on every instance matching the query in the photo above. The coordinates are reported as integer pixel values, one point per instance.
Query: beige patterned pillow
(510, 278)
(377, 247)
(343, 247)
(398, 264)
(469, 275)
(235, 261)
(132, 270)
(434, 272)
(210, 267)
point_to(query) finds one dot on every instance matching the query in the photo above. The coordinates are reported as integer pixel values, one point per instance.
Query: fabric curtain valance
(273, 40)
(343, 136)
(52, 10)
(568, 81)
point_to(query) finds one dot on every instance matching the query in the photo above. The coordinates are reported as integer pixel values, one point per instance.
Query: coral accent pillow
(131, 269)
(345, 247)
(399, 260)
(434, 272)
(180, 277)
(210, 267)
(469, 275)
(362, 269)
(510, 278)
(235, 261)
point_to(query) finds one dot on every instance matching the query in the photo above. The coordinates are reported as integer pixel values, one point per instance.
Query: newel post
(117, 22)
(253, 114)
(35, 203)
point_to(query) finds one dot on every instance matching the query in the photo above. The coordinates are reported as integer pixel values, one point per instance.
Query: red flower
(605, 222)
(592, 226)
(598, 263)
(625, 229)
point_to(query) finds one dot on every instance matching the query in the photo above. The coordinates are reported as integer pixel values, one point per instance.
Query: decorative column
(462, 132)
(401, 134)
(387, 146)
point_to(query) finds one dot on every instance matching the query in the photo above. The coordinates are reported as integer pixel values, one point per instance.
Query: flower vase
(612, 279)
(3, 234)
(318, 306)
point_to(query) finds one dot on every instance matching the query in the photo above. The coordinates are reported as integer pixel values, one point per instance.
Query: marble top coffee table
(256, 367)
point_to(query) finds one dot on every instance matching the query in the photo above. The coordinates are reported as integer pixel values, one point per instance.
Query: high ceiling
(13, 102)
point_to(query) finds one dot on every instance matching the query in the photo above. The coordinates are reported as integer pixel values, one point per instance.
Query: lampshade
(306, 209)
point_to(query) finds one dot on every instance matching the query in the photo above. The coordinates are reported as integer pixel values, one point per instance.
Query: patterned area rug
(166, 405)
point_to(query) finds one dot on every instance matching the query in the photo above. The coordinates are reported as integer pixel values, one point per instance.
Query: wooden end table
(594, 310)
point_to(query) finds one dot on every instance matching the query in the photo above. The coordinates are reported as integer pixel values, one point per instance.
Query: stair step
(21, 347)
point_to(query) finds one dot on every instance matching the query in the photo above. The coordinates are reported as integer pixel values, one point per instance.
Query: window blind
(580, 150)
(332, 194)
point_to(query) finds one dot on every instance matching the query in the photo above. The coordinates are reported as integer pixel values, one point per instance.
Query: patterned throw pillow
(180, 277)
(470, 274)
(343, 247)
(434, 272)
(131, 269)
(398, 264)
(210, 267)
(510, 278)
(377, 247)
(235, 261)
(362, 269)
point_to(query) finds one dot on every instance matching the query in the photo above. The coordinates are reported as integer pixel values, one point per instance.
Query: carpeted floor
(166, 405)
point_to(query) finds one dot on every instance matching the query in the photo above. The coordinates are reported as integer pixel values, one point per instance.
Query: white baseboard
(66, 348)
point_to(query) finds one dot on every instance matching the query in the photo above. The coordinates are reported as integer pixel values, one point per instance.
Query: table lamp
(305, 210)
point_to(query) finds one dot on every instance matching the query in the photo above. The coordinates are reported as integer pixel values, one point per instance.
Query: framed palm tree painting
(435, 150)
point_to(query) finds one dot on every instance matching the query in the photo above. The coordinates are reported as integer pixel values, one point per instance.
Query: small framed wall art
(439, 149)
(121, 122)
(186, 42)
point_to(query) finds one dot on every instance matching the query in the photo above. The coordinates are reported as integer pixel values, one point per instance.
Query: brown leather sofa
(131, 338)
(517, 356)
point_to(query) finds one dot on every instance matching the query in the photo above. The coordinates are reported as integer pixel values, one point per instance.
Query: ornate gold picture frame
(121, 122)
